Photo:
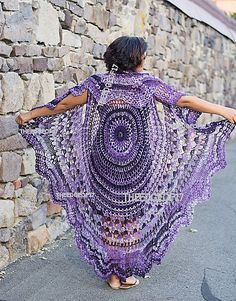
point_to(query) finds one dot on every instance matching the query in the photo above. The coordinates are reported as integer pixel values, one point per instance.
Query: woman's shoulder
(144, 79)
(142, 75)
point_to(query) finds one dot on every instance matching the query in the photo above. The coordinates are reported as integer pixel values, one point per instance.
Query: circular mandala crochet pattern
(128, 174)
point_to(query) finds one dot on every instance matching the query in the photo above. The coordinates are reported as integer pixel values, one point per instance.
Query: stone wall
(47, 47)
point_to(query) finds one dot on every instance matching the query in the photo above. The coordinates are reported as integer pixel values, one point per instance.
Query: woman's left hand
(23, 118)
(229, 113)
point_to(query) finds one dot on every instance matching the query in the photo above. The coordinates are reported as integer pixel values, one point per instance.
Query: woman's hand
(23, 118)
(229, 113)
(204, 106)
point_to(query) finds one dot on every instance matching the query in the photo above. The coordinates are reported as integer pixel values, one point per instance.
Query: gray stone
(174, 73)
(61, 18)
(1, 191)
(33, 50)
(7, 216)
(58, 77)
(67, 60)
(96, 34)
(17, 244)
(56, 227)
(60, 3)
(151, 40)
(218, 84)
(11, 5)
(23, 19)
(5, 49)
(68, 19)
(1, 97)
(87, 44)
(4, 257)
(81, 3)
(24, 181)
(71, 39)
(5, 234)
(8, 126)
(10, 166)
(75, 59)
(110, 5)
(43, 195)
(17, 193)
(80, 26)
(50, 51)
(98, 51)
(37, 182)
(26, 204)
(32, 91)
(13, 90)
(40, 64)
(13, 143)
(8, 190)
(63, 50)
(2, 17)
(93, 2)
(75, 9)
(55, 64)
(112, 20)
(39, 216)
(11, 63)
(83, 72)
(28, 162)
(47, 91)
(4, 67)
(18, 50)
(24, 64)
(97, 15)
(164, 23)
(68, 75)
(47, 29)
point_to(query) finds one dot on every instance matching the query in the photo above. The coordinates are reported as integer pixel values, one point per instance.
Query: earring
(114, 67)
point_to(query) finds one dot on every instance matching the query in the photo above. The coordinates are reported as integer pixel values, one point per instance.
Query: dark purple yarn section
(127, 174)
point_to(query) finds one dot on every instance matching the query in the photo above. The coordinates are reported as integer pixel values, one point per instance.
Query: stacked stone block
(47, 47)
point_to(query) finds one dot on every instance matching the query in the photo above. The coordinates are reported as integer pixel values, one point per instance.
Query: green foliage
(233, 16)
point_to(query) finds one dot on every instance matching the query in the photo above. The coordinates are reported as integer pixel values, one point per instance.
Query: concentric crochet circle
(120, 158)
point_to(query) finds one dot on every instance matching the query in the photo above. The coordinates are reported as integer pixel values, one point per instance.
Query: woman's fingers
(17, 120)
(230, 114)
(234, 117)
(20, 120)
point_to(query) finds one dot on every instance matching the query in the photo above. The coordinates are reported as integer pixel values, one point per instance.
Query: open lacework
(127, 178)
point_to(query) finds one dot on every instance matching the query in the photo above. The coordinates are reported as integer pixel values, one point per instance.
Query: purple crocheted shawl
(127, 174)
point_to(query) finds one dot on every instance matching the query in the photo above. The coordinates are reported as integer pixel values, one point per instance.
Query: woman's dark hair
(126, 52)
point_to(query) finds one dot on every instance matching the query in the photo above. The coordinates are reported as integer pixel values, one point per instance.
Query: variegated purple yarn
(125, 146)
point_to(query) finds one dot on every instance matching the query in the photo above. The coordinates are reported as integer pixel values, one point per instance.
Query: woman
(127, 174)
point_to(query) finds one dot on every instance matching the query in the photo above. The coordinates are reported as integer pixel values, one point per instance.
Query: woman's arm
(65, 104)
(204, 106)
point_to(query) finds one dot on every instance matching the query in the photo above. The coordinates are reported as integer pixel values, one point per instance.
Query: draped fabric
(127, 174)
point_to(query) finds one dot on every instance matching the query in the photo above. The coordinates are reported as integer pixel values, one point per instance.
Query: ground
(199, 265)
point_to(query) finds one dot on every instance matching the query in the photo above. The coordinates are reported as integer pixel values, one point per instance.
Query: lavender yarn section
(127, 175)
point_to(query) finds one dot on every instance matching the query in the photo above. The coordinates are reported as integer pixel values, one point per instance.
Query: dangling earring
(108, 84)
(114, 67)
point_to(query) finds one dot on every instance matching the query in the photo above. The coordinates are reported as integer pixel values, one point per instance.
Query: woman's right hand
(23, 118)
